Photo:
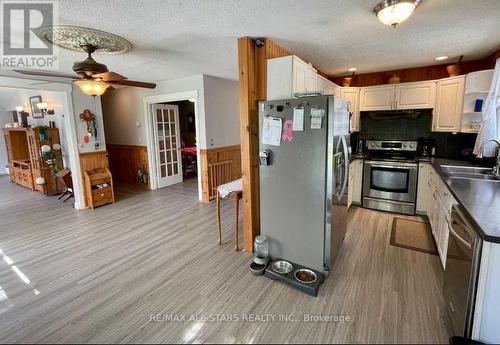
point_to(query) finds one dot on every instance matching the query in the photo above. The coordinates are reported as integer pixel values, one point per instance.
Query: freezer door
(293, 186)
(337, 180)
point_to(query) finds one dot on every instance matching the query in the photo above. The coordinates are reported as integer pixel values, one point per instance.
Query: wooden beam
(249, 126)
(252, 61)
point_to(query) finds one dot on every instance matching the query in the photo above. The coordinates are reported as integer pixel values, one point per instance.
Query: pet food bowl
(282, 267)
(305, 276)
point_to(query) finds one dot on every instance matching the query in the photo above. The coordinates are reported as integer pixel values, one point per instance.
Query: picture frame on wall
(35, 112)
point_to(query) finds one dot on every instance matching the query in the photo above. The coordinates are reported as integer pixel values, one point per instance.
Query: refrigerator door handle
(346, 166)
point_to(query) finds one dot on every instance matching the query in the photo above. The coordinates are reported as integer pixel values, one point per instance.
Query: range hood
(397, 114)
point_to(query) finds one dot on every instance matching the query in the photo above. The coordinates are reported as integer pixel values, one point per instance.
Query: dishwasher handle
(458, 221)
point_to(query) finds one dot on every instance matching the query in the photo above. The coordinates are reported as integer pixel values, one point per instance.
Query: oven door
(395, 181)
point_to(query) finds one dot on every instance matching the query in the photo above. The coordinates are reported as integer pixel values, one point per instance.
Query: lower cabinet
(436, 202)
(355, 182)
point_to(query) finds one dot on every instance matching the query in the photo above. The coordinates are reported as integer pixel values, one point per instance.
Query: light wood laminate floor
(98, 276)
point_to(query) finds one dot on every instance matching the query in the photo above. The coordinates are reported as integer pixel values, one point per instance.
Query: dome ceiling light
(394, 12)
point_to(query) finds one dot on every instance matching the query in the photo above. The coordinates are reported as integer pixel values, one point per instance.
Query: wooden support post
(249, 126)
(252, 61)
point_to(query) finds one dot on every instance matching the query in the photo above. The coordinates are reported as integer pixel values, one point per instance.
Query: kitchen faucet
(496, 168)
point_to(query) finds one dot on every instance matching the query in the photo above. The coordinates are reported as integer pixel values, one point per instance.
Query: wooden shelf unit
(23, 146)
(95, 193)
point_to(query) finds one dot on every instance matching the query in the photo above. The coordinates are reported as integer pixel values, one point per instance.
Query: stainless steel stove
(390, 176)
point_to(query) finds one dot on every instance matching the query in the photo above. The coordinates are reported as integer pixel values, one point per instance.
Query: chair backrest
(65, 176)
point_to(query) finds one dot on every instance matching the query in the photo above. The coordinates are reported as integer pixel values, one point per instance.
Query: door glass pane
(162, 157)
(390, 180)
(159, 117)
(174, 155)
(163, 172)
(167, 144)
(161, 144)
(174, 142)
(172, 116)
(172, 128)
(170, 170)
(169, 157)
(175, 168)
(161, 134)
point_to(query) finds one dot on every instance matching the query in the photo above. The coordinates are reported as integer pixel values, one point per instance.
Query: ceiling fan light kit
(394, 12)
(92, 87)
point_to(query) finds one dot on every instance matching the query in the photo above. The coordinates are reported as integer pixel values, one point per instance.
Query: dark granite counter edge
(436, 164)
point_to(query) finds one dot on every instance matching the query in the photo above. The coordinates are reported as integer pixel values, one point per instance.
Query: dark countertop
(479, 198)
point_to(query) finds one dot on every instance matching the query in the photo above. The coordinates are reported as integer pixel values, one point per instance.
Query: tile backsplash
(397, 127)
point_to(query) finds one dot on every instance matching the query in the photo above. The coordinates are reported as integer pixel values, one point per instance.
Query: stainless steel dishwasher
(462, 270)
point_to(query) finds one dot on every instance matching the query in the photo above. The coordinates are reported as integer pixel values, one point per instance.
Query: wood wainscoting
(125, 161)
(90, 161)
(218, 166)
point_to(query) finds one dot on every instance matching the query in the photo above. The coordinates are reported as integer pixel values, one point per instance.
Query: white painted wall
(217, 111)
(81, 102)
(222, 113)
(124, 107)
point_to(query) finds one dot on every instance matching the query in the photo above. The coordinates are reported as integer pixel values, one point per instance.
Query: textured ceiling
(174, 39)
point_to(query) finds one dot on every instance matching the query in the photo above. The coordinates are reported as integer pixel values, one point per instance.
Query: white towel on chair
(227, 188)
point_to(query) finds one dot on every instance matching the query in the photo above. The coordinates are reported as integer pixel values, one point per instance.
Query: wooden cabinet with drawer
(98, 187)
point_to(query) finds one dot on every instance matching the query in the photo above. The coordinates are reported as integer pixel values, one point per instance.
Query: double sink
(470, 173)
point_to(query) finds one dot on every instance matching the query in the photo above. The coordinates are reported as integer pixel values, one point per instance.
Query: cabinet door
(8, 147)
(311, 79)
(351, 95)
(415, 95)
(422, 187)
(323, 85)
(449, 104)
(376, 98)
(34, 148)
(300, 73)
(357, 181)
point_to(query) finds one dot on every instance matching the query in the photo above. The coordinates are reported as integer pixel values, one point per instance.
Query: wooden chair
(66, 180)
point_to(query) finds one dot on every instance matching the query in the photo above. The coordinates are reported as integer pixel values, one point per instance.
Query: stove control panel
(392, 145)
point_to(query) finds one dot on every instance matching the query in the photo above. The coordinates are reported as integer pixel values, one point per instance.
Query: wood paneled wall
(218, 166)
(125, 161)
(91, 161)
(419, 73)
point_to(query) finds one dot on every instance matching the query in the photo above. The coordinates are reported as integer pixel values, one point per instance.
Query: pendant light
(394, 12)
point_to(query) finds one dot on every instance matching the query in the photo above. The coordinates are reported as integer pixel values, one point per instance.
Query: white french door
(168, 151)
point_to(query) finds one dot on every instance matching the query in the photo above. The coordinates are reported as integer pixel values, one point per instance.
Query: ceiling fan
(92, 77)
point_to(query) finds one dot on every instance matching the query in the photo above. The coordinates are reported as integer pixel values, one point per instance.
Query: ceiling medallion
(73, 37)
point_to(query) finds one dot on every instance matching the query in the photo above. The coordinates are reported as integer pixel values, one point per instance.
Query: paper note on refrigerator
(271, 131)
(298, 119)
(317, 116)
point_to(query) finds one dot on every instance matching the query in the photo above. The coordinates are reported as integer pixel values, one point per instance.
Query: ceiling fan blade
(48, 74)
(109, 76)
(133, 83)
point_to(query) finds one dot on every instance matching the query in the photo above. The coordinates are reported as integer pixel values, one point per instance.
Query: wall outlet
(212, 142)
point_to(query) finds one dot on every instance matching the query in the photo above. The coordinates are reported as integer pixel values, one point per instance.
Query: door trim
(148, 102)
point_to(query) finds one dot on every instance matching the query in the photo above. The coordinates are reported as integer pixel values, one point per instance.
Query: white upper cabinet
(351, 95)
(418, 95)
(449, 104)
(326, 86)
(376, 98)
(288, 75)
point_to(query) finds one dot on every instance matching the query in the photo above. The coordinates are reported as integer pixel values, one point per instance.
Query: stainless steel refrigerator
(303, 181)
